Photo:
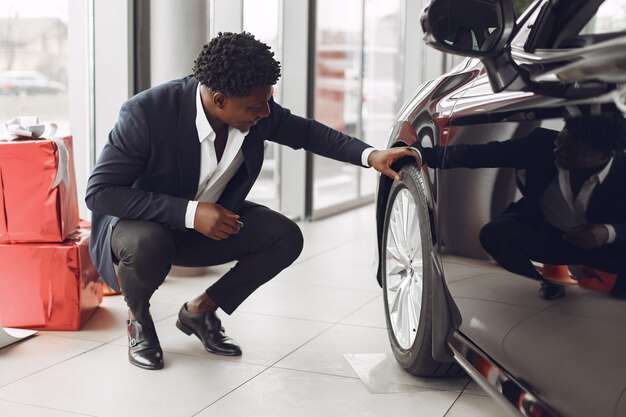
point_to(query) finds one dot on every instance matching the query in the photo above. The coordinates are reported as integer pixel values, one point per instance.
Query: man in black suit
(573, 209)
(169, 188)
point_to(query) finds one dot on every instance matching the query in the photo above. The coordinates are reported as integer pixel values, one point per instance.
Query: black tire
(415, 357)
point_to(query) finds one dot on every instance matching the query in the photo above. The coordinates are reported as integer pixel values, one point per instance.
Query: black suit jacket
(535, 155)
(150, 167)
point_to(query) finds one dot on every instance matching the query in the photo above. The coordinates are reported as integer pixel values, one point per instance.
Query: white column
(294, 96)
(226, 16)
(178, 30)
(79, 97)
(113, 66)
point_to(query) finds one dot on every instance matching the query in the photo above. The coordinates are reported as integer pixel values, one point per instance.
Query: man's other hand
(381, 160)
(216, 222)
(587, 236)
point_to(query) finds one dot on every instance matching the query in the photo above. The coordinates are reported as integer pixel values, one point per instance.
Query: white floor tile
(370, 315)
(286, 393)
(306, 302)
(325, 353)
(381, 374)
(10, 409)
(347, 266)
(36, 353)
(469, 405)
(324, 235)
(103, 383)
(264, 339)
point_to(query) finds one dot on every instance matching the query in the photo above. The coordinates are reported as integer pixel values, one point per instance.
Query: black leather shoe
(144, 349)
(550, 291)
(208, 328)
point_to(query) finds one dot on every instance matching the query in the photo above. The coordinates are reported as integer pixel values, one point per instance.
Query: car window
(610, 17)
(520, 6)
(569, 24)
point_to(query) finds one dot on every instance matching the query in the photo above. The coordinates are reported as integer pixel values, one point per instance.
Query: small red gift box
(48, 286)
(38, 201)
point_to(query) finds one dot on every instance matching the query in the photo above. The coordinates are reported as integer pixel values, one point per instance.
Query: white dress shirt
(215, 176)
(562, 210)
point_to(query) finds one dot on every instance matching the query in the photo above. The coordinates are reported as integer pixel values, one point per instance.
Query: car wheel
(407, 275)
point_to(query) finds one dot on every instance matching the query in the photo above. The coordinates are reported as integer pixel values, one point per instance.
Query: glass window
(337, 95)
(34, 61)
(520, 6)
(262, 18)
(358, 81)
(382, 78)
(610, 17)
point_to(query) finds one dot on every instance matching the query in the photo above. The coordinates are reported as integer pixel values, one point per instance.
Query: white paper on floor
(381, 374)
(9, 336)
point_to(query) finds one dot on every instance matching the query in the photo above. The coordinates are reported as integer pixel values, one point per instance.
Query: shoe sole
(189, 331)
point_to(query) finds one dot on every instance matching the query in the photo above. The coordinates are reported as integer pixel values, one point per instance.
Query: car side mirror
(476, 28)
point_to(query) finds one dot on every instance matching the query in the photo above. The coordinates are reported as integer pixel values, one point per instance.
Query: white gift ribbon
(63, 170)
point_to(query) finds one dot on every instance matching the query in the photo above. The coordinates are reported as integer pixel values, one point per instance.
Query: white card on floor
(381, 374)
(9, 336)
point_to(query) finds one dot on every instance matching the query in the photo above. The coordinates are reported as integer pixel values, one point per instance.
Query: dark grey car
(448, 306)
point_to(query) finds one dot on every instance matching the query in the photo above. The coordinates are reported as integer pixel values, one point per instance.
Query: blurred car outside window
(34, 61)
(29, 82)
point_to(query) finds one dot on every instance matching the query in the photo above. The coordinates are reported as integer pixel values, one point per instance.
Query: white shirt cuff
(366, 154)
(190, 214)
(612, 233)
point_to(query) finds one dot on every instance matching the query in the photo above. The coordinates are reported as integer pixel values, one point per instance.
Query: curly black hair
(235, 63)
(606, 133)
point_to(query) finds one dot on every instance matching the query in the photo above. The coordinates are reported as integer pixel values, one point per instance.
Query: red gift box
(38, 201)
(48, 286)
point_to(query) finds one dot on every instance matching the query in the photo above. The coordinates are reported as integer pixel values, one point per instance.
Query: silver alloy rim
(404, 269)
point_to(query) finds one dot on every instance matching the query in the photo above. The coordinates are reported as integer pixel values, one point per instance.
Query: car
(450, 309)
(29, 82)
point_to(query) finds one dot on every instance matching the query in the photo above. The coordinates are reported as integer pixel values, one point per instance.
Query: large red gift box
(48, 286)
(38, 201)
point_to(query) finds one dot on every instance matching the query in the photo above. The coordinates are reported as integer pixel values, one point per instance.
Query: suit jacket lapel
(603, 199)
(253, 148)
(189, 146)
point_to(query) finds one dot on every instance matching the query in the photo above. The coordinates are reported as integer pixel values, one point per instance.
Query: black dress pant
(145, 251)
(514, 239)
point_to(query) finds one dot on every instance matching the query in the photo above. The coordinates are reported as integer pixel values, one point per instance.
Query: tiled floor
(314, 341)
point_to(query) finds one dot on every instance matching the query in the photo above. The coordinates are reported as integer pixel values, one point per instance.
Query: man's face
(244, 112)
(573, 153)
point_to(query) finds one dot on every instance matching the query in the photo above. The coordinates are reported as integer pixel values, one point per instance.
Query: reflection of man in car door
(573, 209)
